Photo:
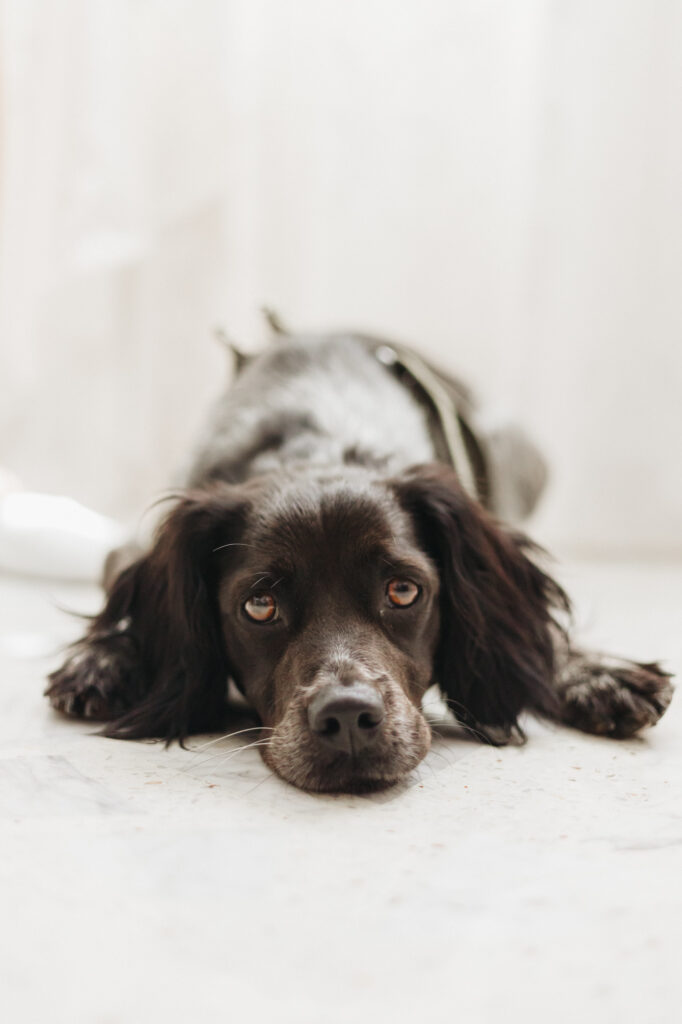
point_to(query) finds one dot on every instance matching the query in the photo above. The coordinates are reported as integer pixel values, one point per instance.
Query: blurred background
(497, 183)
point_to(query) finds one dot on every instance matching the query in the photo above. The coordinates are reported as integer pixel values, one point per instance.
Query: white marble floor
(535, 884)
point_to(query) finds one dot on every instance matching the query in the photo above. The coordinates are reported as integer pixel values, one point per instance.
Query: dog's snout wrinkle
(347, 718)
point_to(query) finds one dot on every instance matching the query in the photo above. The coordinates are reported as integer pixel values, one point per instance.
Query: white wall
(497, 182)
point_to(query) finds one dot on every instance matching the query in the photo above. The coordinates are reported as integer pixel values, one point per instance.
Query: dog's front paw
(96, 681)
(616, 700)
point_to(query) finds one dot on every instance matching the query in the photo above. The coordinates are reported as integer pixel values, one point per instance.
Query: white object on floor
(54, 537)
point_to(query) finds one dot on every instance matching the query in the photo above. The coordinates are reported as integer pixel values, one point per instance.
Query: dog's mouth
(343, 775)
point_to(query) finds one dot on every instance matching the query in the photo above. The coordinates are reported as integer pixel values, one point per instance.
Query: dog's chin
(310, 770)
(344, 777)
(347, 778)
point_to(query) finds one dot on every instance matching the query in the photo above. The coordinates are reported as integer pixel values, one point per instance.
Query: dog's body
(328, 560)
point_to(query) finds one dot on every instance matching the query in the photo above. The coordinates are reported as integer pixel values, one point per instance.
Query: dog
(338, 549)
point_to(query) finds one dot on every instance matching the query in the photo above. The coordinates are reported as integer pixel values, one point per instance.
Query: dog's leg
(102, 677)
(609, 696)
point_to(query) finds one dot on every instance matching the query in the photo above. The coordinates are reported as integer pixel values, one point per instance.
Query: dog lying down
(337, 550)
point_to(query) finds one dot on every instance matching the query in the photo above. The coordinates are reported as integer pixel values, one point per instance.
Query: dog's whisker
(267, 778)
(228, 736)
(432, 770)
(455, 706)
(232, 544)
(436, 702)
(222, 753)
(442, 756)
(233, 753)
(439, 736)
(464, 726)
(458, 709)
(231, 750)
(473, 731)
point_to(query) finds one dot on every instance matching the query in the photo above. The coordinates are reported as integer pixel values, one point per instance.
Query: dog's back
(346, 398)
(326, 400)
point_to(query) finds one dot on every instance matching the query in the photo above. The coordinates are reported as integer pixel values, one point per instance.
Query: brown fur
(275, 510)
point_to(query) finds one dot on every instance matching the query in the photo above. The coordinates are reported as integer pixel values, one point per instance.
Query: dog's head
(334, 603)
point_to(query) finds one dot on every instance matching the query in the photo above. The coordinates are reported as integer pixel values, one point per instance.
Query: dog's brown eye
(402, 593)
(261, 608)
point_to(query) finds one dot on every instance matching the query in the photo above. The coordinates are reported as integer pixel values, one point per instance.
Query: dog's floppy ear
(170, 598)
(153, 662)
(495, 654)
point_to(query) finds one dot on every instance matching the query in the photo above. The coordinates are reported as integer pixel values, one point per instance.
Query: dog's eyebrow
(412, 564)
(266, 576)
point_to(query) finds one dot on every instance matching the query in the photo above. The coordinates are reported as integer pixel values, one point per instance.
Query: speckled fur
(307, 475)
(611, 696)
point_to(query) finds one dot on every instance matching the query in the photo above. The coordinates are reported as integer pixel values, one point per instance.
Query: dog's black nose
(347, 718)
